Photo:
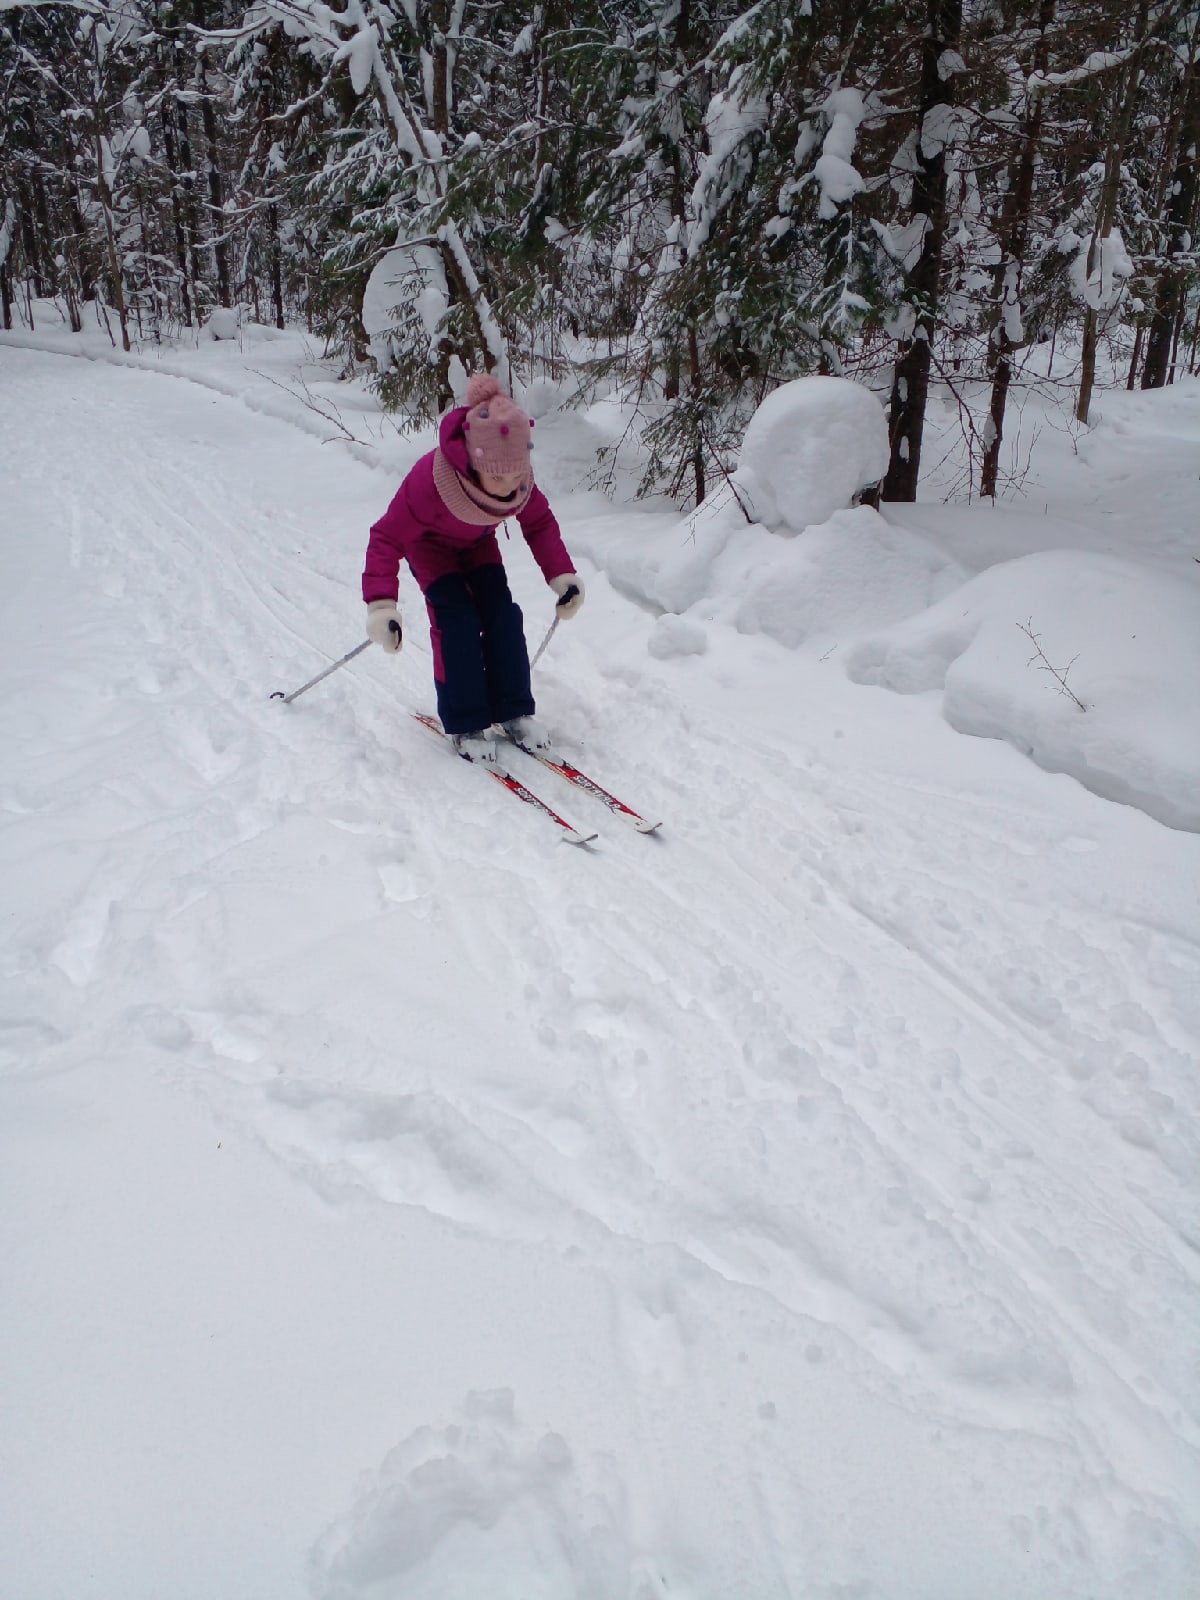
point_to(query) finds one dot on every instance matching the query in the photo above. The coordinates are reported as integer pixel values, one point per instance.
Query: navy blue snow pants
(480, 660)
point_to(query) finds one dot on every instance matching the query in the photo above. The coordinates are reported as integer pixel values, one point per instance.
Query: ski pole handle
(304, 687)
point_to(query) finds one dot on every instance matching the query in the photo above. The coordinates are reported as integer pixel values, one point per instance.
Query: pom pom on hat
(496, 429)
(481, 388)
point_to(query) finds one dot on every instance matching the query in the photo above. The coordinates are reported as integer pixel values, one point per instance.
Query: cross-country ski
(586, 785)
(515, 787)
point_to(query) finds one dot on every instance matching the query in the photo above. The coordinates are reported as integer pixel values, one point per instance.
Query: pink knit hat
(496, 430)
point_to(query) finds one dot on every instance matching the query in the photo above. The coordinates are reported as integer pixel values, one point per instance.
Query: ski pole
(296, 693)
(570, 594)
(544, 643)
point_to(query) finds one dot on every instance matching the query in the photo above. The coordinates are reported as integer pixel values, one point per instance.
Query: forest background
(682, 202)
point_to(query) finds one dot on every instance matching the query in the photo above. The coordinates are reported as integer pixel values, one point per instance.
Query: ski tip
(572, 837)
(643, 826)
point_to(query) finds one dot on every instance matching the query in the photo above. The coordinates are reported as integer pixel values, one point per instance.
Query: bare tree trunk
(83, 254)
(1010, 269)
(104, 192)
(110, 238)
(150, 258)
(71, 293)
(186, 185)
(440, 109)
(276, 265)
(696, 380)
(29, 239)
(1175, 345)
(216, 187)
(439, 16)
(1106, 210)
(80, 268)
(181, 253)
(910, 382)
(8, 230)
(1172, 282)
(45, 230)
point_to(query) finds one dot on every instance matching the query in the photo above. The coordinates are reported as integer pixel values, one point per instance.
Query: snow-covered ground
(399, 1204)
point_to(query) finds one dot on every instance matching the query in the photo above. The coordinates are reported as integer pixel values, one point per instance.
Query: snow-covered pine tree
(692, 199)
(47, 248)
(643, 89)
(782, 258)
(399, 169)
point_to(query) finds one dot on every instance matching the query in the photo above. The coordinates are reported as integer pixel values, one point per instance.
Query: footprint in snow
(486, 1506)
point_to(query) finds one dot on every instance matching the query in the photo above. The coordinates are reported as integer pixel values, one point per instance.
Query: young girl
(443, 523)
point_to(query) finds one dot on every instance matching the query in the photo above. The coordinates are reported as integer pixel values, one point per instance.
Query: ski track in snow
(881, 1073)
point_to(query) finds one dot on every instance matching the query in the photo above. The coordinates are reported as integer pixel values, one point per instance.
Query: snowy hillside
(399, 1204)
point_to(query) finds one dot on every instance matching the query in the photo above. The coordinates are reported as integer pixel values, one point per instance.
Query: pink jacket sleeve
(542, 535)
(385, 550)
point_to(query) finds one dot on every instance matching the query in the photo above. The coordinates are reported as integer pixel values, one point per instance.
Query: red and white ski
(514, 786)
(573, 775)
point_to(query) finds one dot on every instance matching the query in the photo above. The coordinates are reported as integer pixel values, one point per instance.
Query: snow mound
(851, 574)
(223, 322)
(1127, 642)
(665, 561)
(809, 449)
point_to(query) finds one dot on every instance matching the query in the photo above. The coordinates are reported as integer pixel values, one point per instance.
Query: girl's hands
(383, 625)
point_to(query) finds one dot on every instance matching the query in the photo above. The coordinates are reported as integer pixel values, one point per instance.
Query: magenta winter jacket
(418, 527)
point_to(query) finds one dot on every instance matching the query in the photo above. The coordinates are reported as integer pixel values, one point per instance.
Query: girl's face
(501, 486)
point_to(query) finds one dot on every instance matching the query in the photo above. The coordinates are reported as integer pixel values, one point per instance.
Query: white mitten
(383, 625)
(569, 589)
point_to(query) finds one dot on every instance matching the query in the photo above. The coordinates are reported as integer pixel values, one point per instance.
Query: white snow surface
(397, 1203)
(810, 447)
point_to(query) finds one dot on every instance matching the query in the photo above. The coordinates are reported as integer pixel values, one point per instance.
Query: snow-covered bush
(1128, 642)
(810, 449)
(223, 322)
(403, 310)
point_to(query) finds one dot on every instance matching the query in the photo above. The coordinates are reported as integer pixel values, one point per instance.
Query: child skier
(442, 521)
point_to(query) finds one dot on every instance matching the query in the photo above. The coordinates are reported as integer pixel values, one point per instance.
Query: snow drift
(1126, 641)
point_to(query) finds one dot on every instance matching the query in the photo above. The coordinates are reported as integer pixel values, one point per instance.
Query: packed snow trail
(794, 1205)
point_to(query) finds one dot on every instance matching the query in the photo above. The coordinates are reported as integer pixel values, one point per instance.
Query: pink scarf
(467, 501)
